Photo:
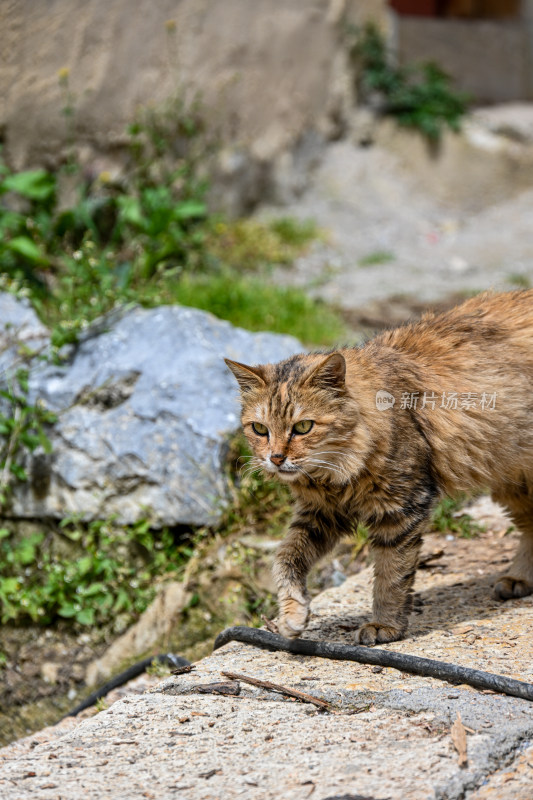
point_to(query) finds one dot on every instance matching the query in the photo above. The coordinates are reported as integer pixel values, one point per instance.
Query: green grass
(90, 573)
(520, 280)
(445, 520)
(249, 245)
(376, 257)
(295, 232)
(223, 271)
(93, 284)
(251, 303)
(157, 249)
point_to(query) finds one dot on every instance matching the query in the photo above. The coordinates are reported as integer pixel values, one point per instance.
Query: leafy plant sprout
(419, 96)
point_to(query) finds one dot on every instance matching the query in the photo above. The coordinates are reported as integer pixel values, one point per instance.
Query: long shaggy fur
(387, 467)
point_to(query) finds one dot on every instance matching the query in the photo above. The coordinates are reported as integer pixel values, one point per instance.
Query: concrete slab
(388, 735)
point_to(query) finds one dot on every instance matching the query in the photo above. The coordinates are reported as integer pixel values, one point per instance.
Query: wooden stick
(182, 670)
(453, 673)
(275, 687)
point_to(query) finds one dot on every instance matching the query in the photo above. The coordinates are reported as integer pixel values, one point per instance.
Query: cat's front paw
(508, 588)
(374, 633)
(293, 615)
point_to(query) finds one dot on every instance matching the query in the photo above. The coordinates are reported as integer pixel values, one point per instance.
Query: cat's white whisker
(320, 461)
(251, 463)
(307, 475)
(328, 467)
(250, 468)
(326, 453)
(251, 472)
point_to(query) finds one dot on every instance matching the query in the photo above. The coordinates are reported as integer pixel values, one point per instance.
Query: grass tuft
(376, 257)
(251, 303)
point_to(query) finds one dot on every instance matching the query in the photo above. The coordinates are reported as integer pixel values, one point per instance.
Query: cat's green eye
(259, 428)
(304, 426)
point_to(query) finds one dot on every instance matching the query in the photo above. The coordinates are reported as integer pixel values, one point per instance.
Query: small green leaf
(122, 602)
(30, 440)
(11, 221)
(84, 565)
(23, 378)
(67, 610)
(26, 552)
(45, 442)
(130, 211)
(36, 184)
(19, 472)
(190, 210)
(8, 585)
(85, 616)
(94, 589)
(104, 602)
(25, 247)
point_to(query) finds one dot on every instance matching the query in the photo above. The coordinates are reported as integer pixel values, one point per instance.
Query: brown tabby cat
(378, 434)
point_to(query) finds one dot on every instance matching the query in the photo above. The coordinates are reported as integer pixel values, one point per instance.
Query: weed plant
(419, 96)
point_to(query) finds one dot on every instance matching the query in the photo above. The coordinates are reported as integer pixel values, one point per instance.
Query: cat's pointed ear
(248, 378)
(330, 373)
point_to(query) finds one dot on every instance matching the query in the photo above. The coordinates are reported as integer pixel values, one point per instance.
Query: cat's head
(299, 417)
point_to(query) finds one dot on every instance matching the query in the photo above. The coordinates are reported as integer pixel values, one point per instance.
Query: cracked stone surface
(145, 406)
(388, 735)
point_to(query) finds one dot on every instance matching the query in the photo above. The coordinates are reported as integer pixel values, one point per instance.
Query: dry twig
(182, 670)
(275, 687)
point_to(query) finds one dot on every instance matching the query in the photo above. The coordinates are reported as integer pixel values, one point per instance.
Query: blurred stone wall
(268, 71)
(489, 59)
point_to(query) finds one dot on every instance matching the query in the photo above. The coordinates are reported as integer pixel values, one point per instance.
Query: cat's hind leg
(518, 580)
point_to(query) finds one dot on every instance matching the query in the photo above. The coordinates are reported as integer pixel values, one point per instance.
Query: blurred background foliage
(149, 238)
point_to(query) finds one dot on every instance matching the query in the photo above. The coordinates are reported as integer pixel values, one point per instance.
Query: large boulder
(21, 332)
(145, 409)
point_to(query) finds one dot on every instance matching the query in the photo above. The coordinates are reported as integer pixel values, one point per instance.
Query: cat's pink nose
(277, 459)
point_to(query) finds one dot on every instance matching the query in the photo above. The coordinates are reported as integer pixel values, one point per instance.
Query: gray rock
(20, 330)
(144, 413)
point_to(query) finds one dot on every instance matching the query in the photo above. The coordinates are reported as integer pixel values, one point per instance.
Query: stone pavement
(387, 737)
(387, 236)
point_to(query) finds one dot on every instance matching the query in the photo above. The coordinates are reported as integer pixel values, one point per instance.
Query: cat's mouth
(287, 472)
